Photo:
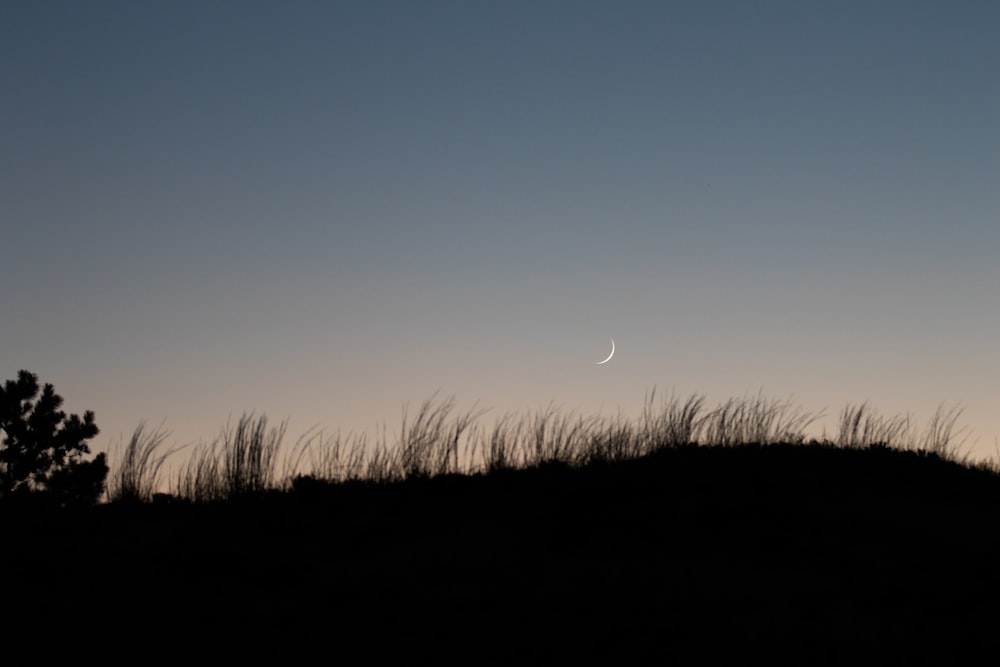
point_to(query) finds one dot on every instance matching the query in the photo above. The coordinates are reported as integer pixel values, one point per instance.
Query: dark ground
(808, 555)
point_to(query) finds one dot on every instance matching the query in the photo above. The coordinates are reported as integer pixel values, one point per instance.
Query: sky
(324, 211)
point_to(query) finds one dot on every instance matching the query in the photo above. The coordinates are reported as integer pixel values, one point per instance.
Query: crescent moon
(610, 355)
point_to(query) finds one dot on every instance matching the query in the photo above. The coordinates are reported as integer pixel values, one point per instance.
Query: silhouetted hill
(807, 554)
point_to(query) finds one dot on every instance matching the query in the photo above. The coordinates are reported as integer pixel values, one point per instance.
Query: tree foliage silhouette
(43, 448)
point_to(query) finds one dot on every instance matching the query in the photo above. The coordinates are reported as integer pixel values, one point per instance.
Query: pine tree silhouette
(42, 451)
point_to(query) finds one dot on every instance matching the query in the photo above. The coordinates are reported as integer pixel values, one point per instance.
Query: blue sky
(322, 210)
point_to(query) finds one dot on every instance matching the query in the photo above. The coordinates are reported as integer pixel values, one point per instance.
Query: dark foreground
(808, 555)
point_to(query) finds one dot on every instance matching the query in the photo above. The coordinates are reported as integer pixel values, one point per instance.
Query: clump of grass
(673, 424)
(429, 445)
(862, 427)
(384, 465)
(241, 461)
(501, 444)
(250, 454)
(942, 438)
(554, 437)
(337, 458)
(137, 475)
(756, 420)
(992, 464)
(612, 440)
(200, 479)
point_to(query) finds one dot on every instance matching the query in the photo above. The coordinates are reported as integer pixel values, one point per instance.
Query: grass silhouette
(136, 476)
(438, 440)
(551, 537)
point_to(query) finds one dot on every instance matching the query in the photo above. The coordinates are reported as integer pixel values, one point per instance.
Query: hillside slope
(807, 553)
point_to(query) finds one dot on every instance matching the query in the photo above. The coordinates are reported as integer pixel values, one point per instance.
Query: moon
(610, 355)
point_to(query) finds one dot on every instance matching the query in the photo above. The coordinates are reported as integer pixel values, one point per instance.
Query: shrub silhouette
(43, 448)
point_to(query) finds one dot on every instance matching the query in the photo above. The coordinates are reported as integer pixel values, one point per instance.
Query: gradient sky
(324, 210)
